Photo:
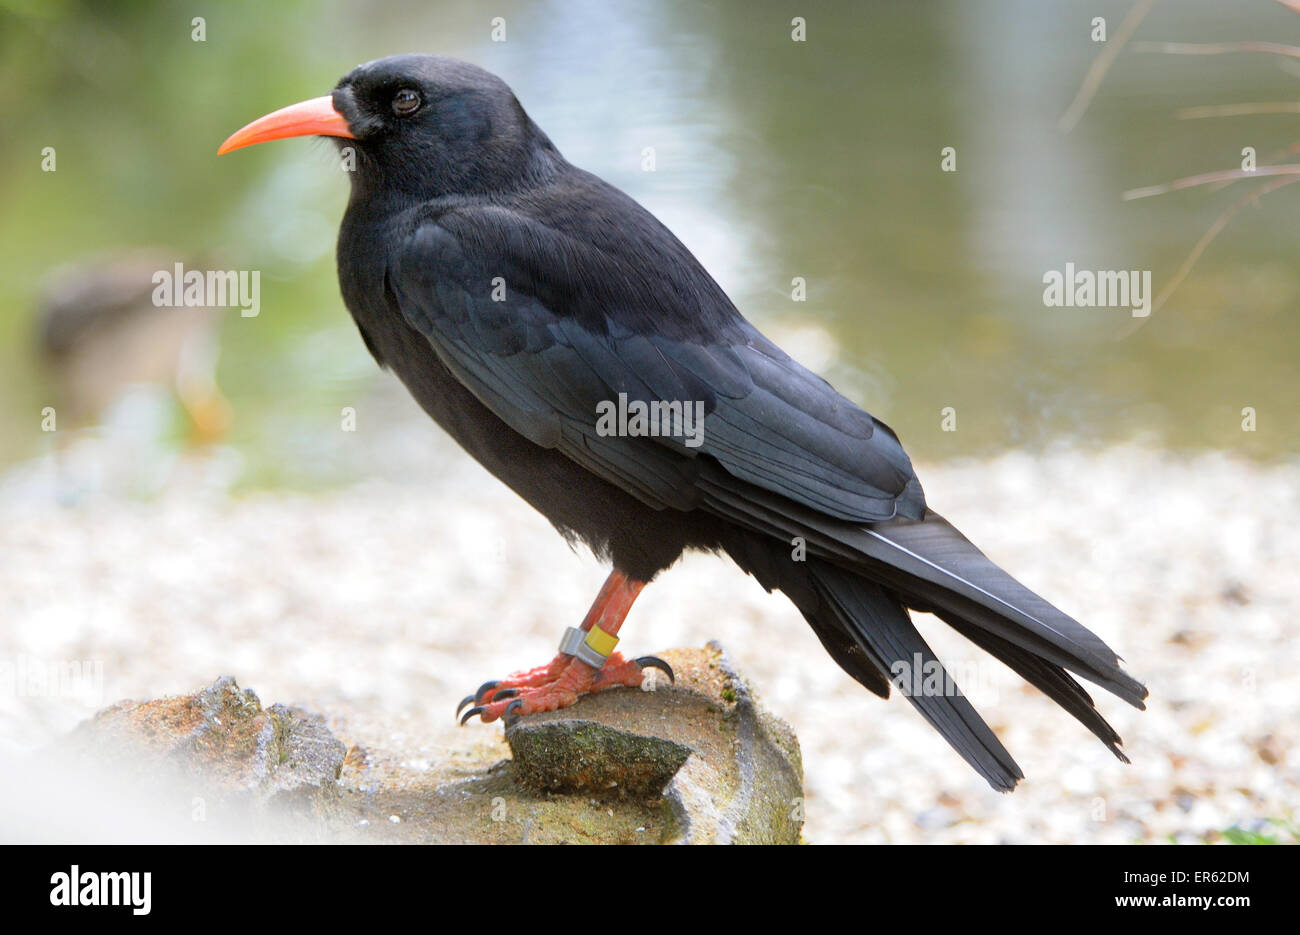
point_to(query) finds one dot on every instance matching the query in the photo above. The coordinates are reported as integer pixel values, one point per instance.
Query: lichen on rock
(695, 762)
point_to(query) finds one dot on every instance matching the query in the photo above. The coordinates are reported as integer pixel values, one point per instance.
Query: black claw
(509, 716)
(504, 694)
(654, 662)
(470, 713)
(483, 689)
(464, 701)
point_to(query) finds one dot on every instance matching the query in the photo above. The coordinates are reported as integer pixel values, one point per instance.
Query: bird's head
(419, 126)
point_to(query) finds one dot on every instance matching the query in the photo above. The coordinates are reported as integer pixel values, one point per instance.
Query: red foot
(526, 678)
(557, 685)
(566, 678)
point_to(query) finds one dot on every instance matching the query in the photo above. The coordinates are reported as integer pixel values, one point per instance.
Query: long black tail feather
(854, 591)
(884, 630)
(1050, 679)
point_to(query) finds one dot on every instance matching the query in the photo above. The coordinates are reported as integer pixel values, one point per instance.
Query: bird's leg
(586, 662)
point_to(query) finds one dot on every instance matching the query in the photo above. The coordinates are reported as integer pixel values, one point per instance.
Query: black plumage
(512, 293)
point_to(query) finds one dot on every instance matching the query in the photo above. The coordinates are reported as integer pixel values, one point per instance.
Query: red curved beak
(316, 117)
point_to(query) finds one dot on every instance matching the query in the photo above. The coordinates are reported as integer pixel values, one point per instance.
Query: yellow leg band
(600, 641)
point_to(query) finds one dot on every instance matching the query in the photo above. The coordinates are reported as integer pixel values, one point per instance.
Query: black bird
(521, 299)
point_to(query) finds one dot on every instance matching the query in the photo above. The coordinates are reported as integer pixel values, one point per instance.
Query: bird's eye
(406, 102)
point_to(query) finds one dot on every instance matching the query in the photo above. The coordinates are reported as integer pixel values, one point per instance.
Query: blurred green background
(774, 159)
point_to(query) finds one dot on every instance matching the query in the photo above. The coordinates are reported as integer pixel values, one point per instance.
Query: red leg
(565, 678)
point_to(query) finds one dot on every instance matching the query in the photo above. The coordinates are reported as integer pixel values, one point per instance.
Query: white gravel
(399, 596)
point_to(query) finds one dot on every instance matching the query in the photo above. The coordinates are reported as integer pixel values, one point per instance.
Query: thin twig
(1224, 175)
(1213, 232)
(1101, 64)
(1283, 175)
(1239, 110)
(1218, 48)
(1269, 160)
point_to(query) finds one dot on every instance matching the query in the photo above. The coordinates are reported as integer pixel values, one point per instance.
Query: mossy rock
(588, 756)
